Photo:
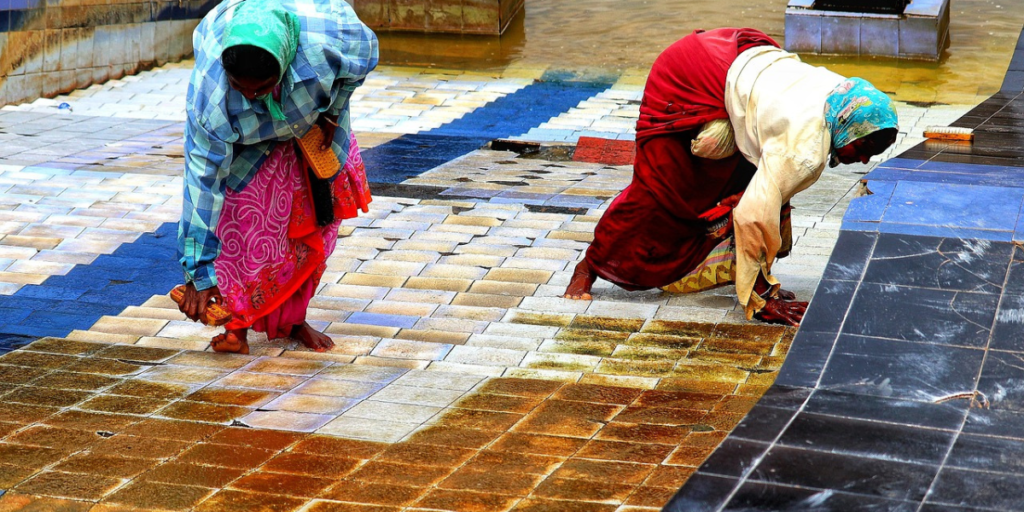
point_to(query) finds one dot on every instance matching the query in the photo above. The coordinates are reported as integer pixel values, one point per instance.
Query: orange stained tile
(607, 323)
(134, 353)
(597, 394)
(105, 465)
(609, 471)
(493, 482)
(247, 501)
(480, 420)
(226, 455)
(761, 379)
(752, 389)
(704, 439)
(13, 502)
(547, 505)
(7, 428)
(154, 495)
(192, 474)
(400, 474)
(710, 372)
(374, 493)
(751, 332)
(200, 411)
(138, 447)
(453, 436)
(170, 429)
(37, 359)
(501, 403)
(103, 367)
(679, 399)
(19, 374)
(311, 465)
(60, 438)
(75, 381)
(538, 444)
(337, 506)
(650, 497)
(460, 501)
(696, 386)
(661, 416)
(147, 389)
(707, 357)
(583, 490)
(265, 439)
(514, 462)
(337, 447)
(626, 452)
(725, 421)
(233, 396)
(671, 477)
(736, 403)
(634, 433)
(124, 404)
(113, 507)
(62, 346)
(280, 483)
(692, 456)
(261, 381)
(520, 387)
(69, 485)
(287, 366)
(572, 419)
(11, 475)
(28, 456)
(46, 396)
(21, 413)
(692, 329)
(427, 455)
(734, 346)
(84, 420)
(664, 341)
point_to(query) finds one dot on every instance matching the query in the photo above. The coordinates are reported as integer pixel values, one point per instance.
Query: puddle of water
(624, 37)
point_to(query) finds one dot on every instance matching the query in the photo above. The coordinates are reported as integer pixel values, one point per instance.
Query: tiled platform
(902, 388)
(455, 354)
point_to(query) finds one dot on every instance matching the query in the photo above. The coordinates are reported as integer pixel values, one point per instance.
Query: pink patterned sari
(273, 254)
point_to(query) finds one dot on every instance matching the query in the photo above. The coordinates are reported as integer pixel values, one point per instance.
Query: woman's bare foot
(582, 280)
(231, 341)
(312, 338)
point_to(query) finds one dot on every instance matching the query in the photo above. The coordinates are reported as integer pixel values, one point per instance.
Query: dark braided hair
(247, 61)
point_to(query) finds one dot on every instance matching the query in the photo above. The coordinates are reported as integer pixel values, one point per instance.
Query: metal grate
(872, 6)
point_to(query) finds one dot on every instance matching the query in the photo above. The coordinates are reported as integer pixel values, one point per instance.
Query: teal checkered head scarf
(855, 109)
(265, 24)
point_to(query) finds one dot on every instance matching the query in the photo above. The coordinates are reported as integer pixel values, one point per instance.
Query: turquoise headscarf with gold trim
(855, 109)
(265, 24)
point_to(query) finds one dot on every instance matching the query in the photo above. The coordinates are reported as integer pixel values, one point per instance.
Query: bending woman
(689, 222)
(257, 226)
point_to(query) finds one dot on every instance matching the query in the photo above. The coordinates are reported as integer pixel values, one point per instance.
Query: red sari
(651, 235)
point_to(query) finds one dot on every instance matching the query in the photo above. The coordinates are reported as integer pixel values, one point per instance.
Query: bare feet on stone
(312, 338)
(786, 294)
(582, 280)
(784, 312)
(232, 342)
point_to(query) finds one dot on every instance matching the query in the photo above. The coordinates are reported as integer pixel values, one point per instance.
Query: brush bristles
(949, 133)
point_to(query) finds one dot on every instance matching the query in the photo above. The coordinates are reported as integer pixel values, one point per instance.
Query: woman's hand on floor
(784, 312)
(327, 124)
(195, 302)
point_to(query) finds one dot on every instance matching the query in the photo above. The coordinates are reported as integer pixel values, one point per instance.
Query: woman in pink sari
(257, 224)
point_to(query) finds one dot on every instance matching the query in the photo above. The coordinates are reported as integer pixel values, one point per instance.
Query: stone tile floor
(455, 354)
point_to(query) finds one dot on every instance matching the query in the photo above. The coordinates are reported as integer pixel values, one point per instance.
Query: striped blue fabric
(227, 137)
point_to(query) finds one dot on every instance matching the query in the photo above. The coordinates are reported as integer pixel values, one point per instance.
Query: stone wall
(52, 46)
(489, 17)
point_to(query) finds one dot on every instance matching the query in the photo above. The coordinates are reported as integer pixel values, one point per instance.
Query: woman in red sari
(688, 223)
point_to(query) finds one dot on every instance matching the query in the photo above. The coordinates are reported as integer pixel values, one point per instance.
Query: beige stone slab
(174, 343)
(361, 330)
(337, 388)
(485, 356)
(512, 275)
(432, 336)
(131, 326)
(363, 373)
(388, 362)
(157, 313)
(368, 429)
(354, 292)
(37, 243)
(486, 300)
(453, 271)
(504, 342)
(101, 337)
(410, 349)
(537, 264)
(22, 279)
(439, 379)
(312, 404)
(438, 283)
(379, 281)
(451, 325)
(389, 307)
(281, 365)
(421, 296)
(537, 374)
(211, 360)
(351, 346)
(187, 330)
(503, 288)
(390, 411)
(265, 381)
(286, 420)
(182, 374)
(304, 353)
(433, 397)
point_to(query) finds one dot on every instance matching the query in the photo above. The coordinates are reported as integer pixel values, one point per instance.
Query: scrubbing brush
(948, 133)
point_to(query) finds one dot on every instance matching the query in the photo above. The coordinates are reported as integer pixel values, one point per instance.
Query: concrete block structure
(53, 46)
(486, 17)
(921, 32)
